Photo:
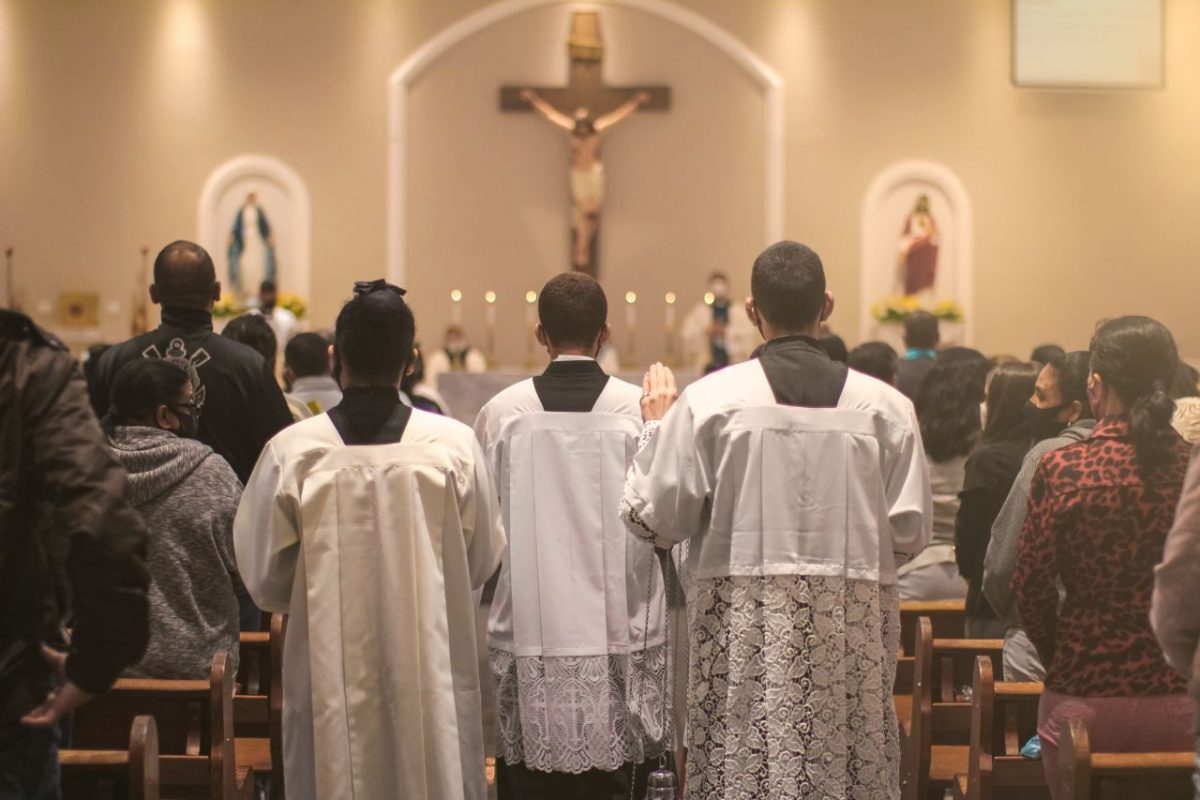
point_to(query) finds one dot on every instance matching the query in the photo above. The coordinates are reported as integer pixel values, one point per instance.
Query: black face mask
(1043, 422)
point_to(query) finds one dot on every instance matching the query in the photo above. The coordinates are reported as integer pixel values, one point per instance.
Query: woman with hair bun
(1099, 513)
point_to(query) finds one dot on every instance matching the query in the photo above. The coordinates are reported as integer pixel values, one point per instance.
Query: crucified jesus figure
(587, 169)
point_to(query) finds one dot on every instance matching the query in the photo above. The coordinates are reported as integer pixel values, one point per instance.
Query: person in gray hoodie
(188, 496)
(1058, 414)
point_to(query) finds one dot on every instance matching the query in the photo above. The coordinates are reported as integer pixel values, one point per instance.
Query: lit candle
(456, 297)
(489, 298)
(531, 309)
(490, 310)
(630, 309)
(709, 298)
(670, 298)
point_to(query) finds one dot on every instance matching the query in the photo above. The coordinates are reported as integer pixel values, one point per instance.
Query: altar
(466, 393)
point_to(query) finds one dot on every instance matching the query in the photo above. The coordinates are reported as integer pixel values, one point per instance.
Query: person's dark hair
(1046, 353)
(1185, 382)
(963, 355)
(184, 275)
(1008, 391)
(1137, 358)
(1071, 370)
(374, 337)
(266, 286)
(788, 286)
(948, 407)
(835, 347)
(877, 359)
(307, 355)
(921, 331)
(141, 386)
(573, 310)
(255, 331)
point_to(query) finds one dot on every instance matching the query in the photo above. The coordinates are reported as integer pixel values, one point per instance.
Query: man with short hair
(799, 485)
(240, 404)
(877, 359)
(580, 700)
(64, 522)
(307, 372)
(921, 338)
(372, 526)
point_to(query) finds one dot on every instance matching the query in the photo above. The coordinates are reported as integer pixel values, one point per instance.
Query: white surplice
(796, 518)
(376, 552)
(580, 674)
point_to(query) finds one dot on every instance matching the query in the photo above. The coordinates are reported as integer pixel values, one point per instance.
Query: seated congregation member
(877, 359)
(834, 347)
(1046, 353)
(799, 485)
(921, 338)
(1058, 414)
(242, 404)
(308, 372)
(1174, 612)
(987, 478)
(948, 409)
(578, 676)
(373, 525)
(187, 495)
(255, 331)
(1099, 513)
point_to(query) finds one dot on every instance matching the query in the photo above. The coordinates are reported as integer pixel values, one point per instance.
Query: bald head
(184, 276)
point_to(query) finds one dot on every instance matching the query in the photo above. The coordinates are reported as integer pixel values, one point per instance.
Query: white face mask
(719, 290)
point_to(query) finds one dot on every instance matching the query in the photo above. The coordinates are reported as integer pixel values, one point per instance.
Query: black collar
(188, 318)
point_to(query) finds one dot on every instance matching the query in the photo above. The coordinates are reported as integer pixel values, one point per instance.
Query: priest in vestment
(716, 332)
(373, 526)
(800, 486)
(576, 638)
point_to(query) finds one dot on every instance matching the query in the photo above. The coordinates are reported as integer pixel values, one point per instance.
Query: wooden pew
(1084, 775)
(939, 738)
(948, 618)
(258, 707)
(115, 774)
(195, 727)
(1003, 718)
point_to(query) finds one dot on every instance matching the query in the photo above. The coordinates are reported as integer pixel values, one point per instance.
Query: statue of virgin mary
(251, 249)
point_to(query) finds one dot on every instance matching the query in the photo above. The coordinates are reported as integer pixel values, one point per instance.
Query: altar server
(800, 485)
(576, 635)
(372, 526)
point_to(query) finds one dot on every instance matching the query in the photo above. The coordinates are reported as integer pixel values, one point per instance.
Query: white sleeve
(475, 361)
(909, 495)
(266, 535)
(482, 525)
(668, 486)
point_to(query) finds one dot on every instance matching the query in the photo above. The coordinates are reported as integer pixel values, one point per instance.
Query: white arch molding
(766, 77)
(213, 230)
(884, 184)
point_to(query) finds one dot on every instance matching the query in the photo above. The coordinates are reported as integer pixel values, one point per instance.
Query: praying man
(576, 639)
(799, 486)
(373, 526)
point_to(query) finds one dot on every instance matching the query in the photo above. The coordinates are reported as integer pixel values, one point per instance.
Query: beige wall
(114, 113)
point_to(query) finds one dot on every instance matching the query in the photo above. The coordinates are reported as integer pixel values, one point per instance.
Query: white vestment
(740, 336)
(438, 362)
(580, 675)
(375, 552)
(796, 518)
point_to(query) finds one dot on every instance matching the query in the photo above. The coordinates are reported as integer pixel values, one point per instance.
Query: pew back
(1085, 775)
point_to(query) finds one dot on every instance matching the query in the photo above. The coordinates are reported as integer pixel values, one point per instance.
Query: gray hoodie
(188, 496)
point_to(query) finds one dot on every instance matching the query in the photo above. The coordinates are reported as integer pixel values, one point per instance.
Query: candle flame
(709, 298)
(670, 298)
(531, 297)
(490, 297)
(631, 297)
(456, 295)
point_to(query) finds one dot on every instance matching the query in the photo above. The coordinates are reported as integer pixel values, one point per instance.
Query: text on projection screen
(1100, 44)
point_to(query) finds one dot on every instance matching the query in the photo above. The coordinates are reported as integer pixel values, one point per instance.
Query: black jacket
(243, 406)
(62, 515)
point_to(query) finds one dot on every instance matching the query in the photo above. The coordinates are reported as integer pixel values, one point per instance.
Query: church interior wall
(114, 114)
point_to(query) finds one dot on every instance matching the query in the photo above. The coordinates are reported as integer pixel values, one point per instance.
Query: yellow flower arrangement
(895, 309)
(293, 303)
(226, 307)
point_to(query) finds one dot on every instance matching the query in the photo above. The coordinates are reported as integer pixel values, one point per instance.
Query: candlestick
(631, 328)
(456, 297)
(670, 314)
(489, 298)
(530, 328)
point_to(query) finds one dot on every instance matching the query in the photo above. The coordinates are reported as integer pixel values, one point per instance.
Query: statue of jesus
(587, 169)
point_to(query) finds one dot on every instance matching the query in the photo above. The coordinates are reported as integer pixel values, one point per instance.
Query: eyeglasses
(364, 288)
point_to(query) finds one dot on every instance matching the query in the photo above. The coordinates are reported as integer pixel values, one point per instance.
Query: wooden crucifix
(584, 109)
